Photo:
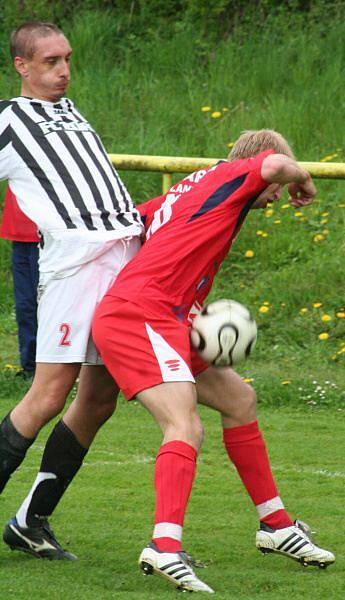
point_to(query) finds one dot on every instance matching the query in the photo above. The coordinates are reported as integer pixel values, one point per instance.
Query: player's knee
(50, 406)
(244, 408)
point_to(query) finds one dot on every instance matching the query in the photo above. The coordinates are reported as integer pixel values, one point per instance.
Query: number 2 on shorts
(65, 330)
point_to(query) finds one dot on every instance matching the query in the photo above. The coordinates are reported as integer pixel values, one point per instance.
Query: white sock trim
(23, 511)
(268, 507)
(171, 530)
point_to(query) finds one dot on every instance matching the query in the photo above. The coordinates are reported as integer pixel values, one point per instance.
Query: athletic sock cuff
(178, 447)
(15, 439)
(242, 433)
(68, 437)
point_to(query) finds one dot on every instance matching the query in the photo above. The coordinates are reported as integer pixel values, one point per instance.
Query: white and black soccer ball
(224, 333)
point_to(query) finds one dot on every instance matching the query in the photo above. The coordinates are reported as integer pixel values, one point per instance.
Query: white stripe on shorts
(172, 366)
(268, 507)
(171, 530)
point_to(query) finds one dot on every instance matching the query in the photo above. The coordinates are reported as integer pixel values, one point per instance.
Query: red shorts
(141, 348)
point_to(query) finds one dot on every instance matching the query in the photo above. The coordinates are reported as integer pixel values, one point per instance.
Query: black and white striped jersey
(59, 171)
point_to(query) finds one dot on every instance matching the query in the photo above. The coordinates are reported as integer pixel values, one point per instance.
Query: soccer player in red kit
(142, 330)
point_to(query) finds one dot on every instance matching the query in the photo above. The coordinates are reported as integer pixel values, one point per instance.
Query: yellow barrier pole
(166, 182)
(180, 164)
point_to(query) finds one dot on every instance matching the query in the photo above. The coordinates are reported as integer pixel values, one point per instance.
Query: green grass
(106, 516)
(144, 96)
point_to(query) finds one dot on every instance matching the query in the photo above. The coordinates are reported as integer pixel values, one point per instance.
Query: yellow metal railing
(181, 164)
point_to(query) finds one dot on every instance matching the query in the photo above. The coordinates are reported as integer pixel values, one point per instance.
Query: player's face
(46, 75)
(271, 194)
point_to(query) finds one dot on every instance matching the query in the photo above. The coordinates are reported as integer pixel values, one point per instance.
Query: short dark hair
(24, 37)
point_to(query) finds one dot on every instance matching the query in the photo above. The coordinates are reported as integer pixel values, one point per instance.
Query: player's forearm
(278, 168)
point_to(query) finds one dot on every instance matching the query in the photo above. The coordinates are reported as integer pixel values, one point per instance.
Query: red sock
(246, 448)
(174, 475)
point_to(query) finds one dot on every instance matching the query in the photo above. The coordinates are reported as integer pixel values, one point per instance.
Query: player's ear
(21, 66)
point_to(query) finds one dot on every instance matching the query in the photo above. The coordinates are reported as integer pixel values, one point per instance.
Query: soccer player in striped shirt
(60, 174)
(141, 328)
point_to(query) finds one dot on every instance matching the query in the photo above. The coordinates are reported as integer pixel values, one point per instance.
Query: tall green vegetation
(143, 71)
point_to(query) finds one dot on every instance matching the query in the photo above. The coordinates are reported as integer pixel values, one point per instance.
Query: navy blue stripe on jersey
(5, 137)
(118, 181)
(104, 214)
(219, 195)
(40, 175)
(243, 214)
(59, 166)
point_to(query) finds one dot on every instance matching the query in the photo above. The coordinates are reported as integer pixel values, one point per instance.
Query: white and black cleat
(38, 541)
(295, 542)
(172, 566)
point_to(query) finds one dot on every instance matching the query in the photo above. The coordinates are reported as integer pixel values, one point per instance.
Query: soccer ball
(224, 333)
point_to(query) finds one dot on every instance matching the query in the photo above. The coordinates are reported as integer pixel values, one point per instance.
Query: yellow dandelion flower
(259, 232)
(205, 109)
(318, 237)
(248, 379)
(341, 351)
(325, 231)
(249, 254)
(8, 366)
(303, 311)
(317, 304)
(266, 303)
(264, 234)
(326, 318)
(277, 221)
(225, 109)
(286, 382)
(269, 212)
(264, 309)
(286, 206)
(341, 205)
(323, 221)
(323, 336)
(230, 144)
(298, 213)
(340, 314)
(324, 214)
(216, 114)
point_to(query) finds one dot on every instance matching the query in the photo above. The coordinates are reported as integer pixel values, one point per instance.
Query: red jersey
(189, 231)
(15, 225)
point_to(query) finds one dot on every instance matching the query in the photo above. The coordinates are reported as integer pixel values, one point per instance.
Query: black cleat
(38, 541)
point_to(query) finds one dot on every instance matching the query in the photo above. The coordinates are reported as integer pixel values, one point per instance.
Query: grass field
(145, 94)
(106, 516)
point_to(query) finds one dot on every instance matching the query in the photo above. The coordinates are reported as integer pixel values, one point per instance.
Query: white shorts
(66, 304)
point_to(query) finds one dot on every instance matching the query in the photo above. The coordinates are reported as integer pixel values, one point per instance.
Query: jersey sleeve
(147, 210)
(5, 139)
(247, 182)
(255, 165)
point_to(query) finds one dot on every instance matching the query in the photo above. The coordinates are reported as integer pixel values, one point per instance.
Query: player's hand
(302, 194)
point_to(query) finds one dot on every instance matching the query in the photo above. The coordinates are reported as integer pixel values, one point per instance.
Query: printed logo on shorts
(173, 364)
(65, 329)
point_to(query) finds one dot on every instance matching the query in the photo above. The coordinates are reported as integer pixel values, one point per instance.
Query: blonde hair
(251, 142)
